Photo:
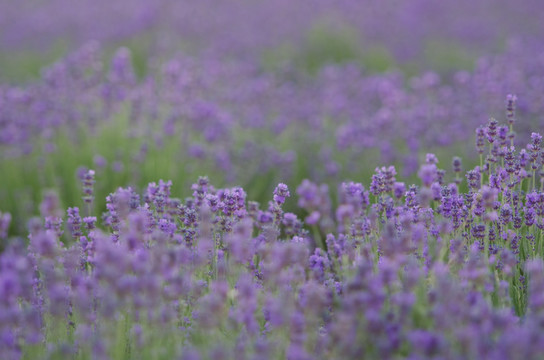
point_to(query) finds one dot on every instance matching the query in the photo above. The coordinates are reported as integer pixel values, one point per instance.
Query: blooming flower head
(280, 193)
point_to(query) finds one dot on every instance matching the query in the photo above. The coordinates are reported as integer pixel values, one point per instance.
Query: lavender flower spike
(280, 193)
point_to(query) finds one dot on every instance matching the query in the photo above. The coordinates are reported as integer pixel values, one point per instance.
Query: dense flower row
(418, 271)
(216, 99)
(244, 122)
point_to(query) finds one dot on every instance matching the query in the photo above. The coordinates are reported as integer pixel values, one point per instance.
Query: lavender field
(291, 179)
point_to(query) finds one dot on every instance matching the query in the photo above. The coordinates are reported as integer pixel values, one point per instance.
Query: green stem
(486, 245)
(317, 237)
(481, 168)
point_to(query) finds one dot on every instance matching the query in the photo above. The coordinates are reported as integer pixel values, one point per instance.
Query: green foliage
(443, 56)
(25, 65)
(325, 45)
(20, 66)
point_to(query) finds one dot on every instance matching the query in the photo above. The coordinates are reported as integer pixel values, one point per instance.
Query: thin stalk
(481, 173)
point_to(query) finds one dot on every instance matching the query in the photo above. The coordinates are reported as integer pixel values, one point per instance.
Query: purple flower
(456, 164)
(492, 130)
(74, 221)
(474, 178)
(90, 222)
(480, 142)
(313, 218)
(431, 159)
(506, 214)
(5, 220)
(427, 174)
(88, 186)
(427, 343)
(291, 224)
(511, 108)
(377, 186)
(399, 188)
(319, 264)
(45, 244)
(534, 148)
(100, 161)
(280, 193)
(50, 206)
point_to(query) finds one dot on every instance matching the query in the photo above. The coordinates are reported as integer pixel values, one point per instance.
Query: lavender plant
(299, 243)
(253, 129)
(420, 271)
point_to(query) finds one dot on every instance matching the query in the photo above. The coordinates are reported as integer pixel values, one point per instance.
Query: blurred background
(415, 35)
(252, 93)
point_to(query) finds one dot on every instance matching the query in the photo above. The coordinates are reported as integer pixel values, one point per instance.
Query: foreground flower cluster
(393, 270)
